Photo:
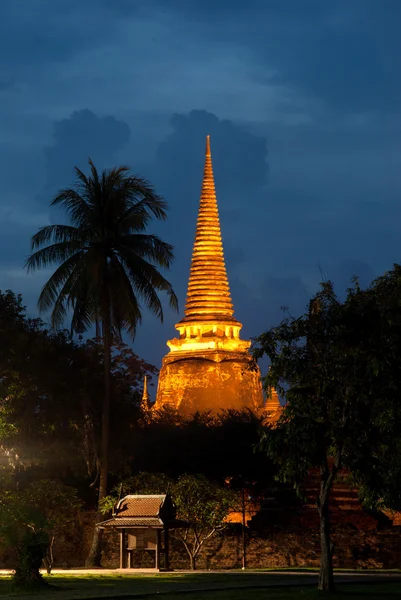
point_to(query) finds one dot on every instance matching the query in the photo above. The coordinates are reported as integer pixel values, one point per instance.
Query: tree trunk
(326, 557)
(94, 557)
(243, 529)
(326, 553)
(192, 560)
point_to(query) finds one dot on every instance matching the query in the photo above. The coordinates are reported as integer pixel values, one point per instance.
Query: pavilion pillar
(166, 548)
(157, 560)
(122, 549)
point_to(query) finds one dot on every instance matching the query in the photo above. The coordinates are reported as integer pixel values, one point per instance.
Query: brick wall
(276, 547)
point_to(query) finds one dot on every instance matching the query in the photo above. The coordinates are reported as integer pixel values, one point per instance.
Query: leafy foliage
(59, 505)
(29, 521)
(50, 400)
(220, 446)
(141, 483)
(205, 506)
(338, 368)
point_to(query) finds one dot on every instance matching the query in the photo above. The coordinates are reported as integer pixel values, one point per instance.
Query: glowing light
(207, 366)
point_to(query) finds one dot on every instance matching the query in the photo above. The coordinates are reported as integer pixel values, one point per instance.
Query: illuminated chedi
(272, 409)
(208, 366)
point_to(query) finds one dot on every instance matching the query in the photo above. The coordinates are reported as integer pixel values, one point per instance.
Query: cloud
(314, 82)
(234, 149)
(79, 137)
(66, 28)
(26, 198)
(344, 53)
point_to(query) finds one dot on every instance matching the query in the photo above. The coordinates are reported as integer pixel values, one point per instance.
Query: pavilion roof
(132, 522)
(140, 506)
(153, 510)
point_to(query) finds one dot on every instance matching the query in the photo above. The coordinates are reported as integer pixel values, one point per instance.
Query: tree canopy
(50, 400)
(338, 368)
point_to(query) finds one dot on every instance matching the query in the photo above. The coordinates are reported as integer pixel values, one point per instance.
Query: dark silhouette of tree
(107, 264)
(338, 368)
(51, 390)
(220, 446)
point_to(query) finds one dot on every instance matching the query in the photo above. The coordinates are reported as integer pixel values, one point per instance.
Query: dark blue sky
(302, 99)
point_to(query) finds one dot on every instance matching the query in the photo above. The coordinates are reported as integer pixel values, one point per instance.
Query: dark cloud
(344, 53)
(42, 32)
(29, 179)
(234, 149)
(314, 82)
(79, 137)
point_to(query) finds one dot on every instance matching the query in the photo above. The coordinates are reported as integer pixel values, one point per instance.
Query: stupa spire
(145, 394)
(206, 368)
(208, 296)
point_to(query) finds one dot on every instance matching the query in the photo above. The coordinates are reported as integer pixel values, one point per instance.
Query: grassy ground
(225, 586)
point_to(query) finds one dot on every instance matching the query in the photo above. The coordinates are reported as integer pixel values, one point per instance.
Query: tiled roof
(139, 506)
(131, 522)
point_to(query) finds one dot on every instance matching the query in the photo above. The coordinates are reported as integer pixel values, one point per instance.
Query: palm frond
(146, 281)
(148, 246)
(75, 205)
(126, 311)
(49, 255)
(83, 315)
(60, 277)
(55, 233)
(155, 203)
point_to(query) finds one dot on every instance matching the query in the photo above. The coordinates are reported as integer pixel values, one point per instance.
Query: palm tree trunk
(94, 557)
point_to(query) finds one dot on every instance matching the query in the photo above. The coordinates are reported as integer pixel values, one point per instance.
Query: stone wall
(353, 548)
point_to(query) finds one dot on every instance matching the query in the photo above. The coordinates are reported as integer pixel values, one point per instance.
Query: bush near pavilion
(30, 521)
(202, 503)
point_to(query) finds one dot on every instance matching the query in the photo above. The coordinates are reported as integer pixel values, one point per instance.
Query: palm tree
(106, 265)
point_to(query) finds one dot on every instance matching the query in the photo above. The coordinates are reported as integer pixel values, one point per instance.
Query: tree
(30, 519)
(205, 505)
(141, 483)
(380, 310)
(24, 529)
(219, 446)
(40, 389)
(51, 399)
(326, 365)
(106, 265)
(59, 505)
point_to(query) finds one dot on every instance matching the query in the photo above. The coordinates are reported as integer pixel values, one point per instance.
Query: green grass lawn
(346, 592)
(202, 586)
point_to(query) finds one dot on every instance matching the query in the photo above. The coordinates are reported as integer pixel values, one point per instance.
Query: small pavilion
(143, 523)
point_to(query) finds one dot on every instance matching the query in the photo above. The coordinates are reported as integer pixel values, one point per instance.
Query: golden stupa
(209, 367)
